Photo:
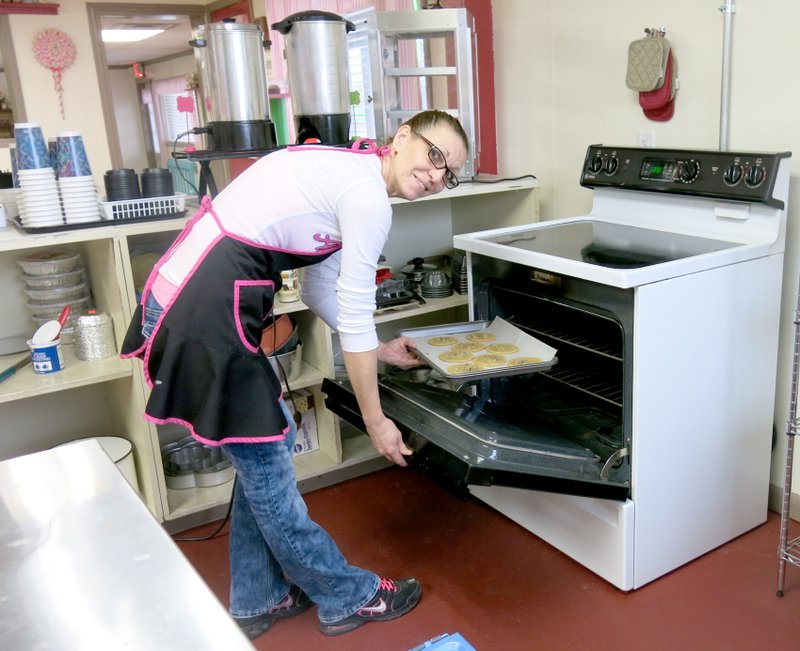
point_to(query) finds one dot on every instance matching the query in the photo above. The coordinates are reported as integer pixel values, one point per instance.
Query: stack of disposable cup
(76, 183)
(38, 200)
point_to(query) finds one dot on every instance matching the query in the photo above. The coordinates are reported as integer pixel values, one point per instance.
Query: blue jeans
(273, 541)
(152, 311)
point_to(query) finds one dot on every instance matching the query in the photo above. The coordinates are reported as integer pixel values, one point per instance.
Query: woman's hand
(388, 440)
(399, 352)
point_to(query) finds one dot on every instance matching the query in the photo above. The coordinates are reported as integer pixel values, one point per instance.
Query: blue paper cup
(47, 358)
(72, 157)
(31, 146)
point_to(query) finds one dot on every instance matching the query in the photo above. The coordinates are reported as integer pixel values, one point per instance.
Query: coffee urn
(234, 100)
(316, 58)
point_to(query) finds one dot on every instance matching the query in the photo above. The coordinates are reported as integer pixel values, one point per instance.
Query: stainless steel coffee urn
(234, 100)
(316, 57)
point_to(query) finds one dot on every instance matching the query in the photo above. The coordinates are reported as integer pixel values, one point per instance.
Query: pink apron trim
(236, 316)
(236, 439)
(355, 148)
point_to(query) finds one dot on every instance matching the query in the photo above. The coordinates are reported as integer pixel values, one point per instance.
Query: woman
(198, 332)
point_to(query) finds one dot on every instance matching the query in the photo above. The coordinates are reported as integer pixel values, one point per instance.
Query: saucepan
(416, 269)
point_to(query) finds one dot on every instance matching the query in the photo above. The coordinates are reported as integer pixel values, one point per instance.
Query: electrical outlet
(647, 139)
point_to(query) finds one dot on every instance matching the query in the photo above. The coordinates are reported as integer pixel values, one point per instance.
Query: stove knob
(733, 174)
(755, 176)
(612, 164)
(595, 165)
(691, 170)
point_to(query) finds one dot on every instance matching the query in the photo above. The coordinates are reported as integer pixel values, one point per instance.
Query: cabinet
(107, 397)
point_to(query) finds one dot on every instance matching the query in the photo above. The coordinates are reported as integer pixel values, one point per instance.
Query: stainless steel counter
(83, 564)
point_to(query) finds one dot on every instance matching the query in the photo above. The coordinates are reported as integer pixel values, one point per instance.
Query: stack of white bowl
(53, 280)
(78, 193)
(38, 201)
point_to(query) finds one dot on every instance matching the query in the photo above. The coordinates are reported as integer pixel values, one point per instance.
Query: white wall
(560, 86)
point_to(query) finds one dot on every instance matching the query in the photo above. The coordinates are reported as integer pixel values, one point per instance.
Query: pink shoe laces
(388, 585)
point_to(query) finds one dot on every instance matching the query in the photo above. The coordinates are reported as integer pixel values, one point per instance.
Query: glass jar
(290, 289)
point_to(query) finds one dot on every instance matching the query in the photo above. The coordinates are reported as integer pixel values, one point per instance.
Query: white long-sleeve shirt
(306, 200)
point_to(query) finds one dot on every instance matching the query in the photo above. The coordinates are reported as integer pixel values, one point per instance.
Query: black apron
(204, 363)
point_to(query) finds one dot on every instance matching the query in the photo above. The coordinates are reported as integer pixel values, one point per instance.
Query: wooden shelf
(28, 8)
(411, 309)
(76, 373)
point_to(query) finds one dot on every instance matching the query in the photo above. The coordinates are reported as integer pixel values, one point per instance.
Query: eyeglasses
(438, 160)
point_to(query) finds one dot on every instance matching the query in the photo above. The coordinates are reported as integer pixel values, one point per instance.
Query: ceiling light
(128, 35)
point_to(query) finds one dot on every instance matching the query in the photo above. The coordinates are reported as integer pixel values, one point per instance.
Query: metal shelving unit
(789, 550)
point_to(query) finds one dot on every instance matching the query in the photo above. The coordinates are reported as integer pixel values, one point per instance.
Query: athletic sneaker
(393, 599)
(294, 603)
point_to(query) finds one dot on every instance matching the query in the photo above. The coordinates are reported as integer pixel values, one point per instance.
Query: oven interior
(583, 397)
(565, 429)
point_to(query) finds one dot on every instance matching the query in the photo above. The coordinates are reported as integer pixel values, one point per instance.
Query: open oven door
(461, 440)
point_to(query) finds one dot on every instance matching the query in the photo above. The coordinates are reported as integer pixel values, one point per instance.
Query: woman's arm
(362, 371)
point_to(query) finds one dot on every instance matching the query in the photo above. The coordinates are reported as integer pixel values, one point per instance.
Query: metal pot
(234, 101)
(416, 269)
(316, 58)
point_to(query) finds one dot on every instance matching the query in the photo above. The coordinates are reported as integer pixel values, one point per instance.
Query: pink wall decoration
(55, 51)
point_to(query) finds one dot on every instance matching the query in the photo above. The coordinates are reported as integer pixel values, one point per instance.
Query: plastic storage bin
(445, 642)
(144, 208)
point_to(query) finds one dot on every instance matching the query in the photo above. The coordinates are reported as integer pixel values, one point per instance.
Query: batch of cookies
(479, 351)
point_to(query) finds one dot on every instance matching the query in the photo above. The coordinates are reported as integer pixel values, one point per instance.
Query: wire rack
(789, 550)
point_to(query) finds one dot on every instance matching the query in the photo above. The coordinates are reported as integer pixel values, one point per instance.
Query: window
(175, 123)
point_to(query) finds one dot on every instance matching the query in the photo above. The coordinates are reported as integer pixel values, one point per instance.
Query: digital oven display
(658, 170)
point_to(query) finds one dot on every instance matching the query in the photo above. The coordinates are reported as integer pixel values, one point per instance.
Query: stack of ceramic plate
(53, 280)
(38, 200)
(458, 277)
(79, 198)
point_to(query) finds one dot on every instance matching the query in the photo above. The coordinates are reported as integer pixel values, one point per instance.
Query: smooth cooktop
(610, 245)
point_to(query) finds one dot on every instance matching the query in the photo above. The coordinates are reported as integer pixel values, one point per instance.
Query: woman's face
(410, 173)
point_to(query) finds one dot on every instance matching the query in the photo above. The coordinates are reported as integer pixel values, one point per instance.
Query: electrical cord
(514, 178)
(189, 182)
(219, 529)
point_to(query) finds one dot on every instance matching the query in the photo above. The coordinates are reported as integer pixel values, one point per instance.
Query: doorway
(134, 122)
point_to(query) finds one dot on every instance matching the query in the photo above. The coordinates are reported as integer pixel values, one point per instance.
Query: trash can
(120, 451)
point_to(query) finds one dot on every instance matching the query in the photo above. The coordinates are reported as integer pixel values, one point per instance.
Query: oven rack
(561, 336)
(595, 383)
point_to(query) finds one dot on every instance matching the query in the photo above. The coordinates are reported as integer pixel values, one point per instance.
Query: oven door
(461, 440)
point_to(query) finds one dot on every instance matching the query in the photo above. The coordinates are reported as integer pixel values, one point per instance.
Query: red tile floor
(504, 589)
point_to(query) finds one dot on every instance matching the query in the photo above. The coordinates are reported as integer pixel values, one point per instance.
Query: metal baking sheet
(503, 331)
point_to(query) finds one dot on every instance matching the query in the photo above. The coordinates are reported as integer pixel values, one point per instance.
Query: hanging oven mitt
(647, 61)
(662, 114)
(659, 105)
(655, 99)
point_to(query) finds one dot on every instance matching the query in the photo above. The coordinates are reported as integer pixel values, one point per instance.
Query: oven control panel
(733, 176)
